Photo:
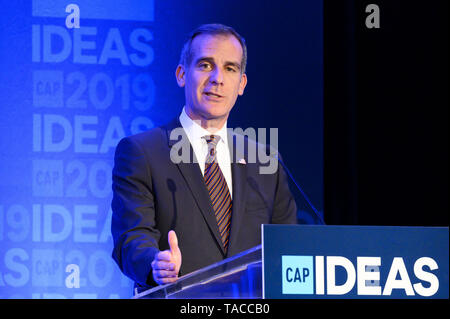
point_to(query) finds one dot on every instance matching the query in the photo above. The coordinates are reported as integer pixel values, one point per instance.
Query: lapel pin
(242, 161)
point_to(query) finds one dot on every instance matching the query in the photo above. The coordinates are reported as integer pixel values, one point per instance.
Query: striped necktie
(218, 190)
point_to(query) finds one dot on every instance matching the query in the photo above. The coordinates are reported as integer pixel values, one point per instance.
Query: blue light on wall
(67, 96)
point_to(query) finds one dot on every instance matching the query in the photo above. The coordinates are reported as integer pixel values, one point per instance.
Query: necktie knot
(212, 141)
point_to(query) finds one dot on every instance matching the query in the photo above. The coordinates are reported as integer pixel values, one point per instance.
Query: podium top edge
(357, 226)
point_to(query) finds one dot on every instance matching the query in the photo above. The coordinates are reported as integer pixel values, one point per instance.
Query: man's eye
(204, 66)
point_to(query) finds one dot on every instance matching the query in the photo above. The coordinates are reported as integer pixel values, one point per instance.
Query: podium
(235, 277)
(326, 262)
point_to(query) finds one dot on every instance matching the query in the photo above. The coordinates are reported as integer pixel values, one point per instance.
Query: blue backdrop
(68, 95)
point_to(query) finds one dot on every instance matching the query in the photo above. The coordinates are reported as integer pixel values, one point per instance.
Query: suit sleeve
(285, 208)
(133, 221)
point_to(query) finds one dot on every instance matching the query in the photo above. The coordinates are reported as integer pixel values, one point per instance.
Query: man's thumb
(173, 242)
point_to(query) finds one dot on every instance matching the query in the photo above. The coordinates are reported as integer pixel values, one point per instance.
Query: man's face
(213, 79)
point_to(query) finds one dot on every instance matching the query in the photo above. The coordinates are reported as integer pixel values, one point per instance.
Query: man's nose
(216, 77)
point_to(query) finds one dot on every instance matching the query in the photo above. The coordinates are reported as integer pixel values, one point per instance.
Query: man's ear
(180, 74)
(242, 84)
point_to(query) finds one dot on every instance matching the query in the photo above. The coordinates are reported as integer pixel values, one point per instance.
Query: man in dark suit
(190, 193)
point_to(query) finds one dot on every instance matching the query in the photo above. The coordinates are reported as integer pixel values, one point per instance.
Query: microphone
(316, 212)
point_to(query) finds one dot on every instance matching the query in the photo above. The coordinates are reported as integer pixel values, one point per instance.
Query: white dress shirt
(195, 134)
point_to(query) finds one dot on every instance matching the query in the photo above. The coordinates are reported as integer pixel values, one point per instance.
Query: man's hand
(167, 263)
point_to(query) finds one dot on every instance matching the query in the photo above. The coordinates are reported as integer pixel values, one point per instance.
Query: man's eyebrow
(204, 59)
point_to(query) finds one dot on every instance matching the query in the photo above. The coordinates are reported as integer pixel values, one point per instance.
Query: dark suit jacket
(152, 195)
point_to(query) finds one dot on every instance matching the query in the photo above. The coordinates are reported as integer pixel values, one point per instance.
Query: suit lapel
(194, 179)
(239, 176)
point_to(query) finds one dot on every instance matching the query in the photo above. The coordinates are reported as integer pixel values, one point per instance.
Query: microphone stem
(316, 212)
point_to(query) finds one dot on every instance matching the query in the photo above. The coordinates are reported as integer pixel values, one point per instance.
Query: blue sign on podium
(312, 261)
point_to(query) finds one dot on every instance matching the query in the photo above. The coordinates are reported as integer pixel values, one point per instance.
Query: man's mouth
(212, 94)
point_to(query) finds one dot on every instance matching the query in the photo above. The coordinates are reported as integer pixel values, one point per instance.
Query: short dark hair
(213, 29)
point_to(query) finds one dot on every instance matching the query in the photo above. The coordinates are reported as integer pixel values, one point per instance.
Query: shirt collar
(195, 132)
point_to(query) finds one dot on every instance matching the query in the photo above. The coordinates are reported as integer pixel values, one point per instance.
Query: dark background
(386, 114)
